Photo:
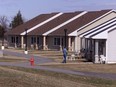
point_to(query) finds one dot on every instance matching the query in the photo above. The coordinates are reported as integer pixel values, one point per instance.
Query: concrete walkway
(40, 60)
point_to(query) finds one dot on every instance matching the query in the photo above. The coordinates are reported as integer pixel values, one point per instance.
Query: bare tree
(4, 22)
(3, 27)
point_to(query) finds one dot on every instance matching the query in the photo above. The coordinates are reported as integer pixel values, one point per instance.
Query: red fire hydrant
(32, 61)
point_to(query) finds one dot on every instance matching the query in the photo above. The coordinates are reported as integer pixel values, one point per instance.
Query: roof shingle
(57, 21)
(29, 24)
(81, 21)
(72, 26)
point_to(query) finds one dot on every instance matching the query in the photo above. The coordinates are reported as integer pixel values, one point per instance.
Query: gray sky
(32, 8)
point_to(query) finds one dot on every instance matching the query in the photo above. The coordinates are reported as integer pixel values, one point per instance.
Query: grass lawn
(78, 64)
(100, 68)
(23, 77)
(8, 58)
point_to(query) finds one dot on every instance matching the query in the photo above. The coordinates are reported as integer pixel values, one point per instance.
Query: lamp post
(2, 39)
(65, 31)
(26, 52)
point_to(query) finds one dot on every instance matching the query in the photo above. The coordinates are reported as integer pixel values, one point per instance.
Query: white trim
(42, 23)
(25, 52)
(70, 20)
(101, 29)
(103, 34)
(75, 32)
(106, 50)
(75, 42)
(2, 47)
(101, 25)
(107, 62)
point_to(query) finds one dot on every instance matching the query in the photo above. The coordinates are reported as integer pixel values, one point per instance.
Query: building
(97, 41)
(46, 31)
(85, 30)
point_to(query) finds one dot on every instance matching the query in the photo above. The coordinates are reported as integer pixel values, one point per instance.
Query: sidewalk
(48, 61)
(91, 74)
(38, 59)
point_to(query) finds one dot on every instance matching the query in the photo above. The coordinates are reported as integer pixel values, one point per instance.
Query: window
(12, 39)
(33, 40)
(38, 40)
(57, 41)
(17, 39)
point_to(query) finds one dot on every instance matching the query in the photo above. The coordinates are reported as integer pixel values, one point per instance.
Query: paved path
(40, 60)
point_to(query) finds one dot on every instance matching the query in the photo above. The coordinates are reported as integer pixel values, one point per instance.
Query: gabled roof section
(29, 24)
(79, 22)
(52, 24)
(101, 33)
(42, 23)
(98, 14)
(107, 28)
(65, 23)
(111, 30)
(103, 25)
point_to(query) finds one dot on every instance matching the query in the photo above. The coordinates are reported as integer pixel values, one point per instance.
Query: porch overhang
(100, 31)
(103, 34)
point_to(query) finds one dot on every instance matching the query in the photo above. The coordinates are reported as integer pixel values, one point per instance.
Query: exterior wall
(73, 43)
(111, 47)
(5, 42)
(10, 44)
(33, 46)
(29, 45)
(40, 45)
(104, 19)
(9, 41)
(77, 44)
(50, 43)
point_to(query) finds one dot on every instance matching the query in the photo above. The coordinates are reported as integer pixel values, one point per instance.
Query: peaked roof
(42, 23)
(81, 21)
(57, 21)
(100, 32)
(46, 27)
(29, 24)
(103, 25)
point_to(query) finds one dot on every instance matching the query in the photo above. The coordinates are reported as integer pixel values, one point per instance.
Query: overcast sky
(32, 8)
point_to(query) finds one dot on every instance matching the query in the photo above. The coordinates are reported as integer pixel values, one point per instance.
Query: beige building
(99, 42)
(46, 31)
